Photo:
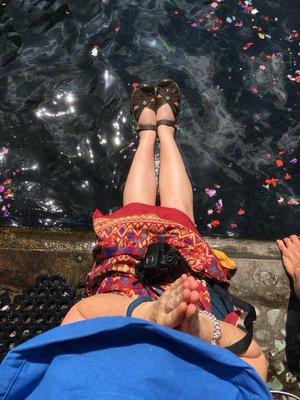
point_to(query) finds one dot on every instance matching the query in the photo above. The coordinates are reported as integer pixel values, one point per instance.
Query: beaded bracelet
(217, 334)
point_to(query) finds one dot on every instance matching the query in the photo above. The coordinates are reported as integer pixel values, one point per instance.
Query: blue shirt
(125, 358)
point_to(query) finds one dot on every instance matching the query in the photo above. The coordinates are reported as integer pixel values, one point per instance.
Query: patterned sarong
(123, 238)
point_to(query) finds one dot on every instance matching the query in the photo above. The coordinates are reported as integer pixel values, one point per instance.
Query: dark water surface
(67, 69)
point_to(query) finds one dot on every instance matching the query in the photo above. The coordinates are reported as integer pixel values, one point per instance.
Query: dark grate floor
(38, 309)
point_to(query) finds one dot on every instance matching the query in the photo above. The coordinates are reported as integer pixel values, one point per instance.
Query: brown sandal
(143, 97)
(168, 92)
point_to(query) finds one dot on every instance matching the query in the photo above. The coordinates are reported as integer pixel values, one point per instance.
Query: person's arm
(99, 305)
(110, 304)
(232, 334)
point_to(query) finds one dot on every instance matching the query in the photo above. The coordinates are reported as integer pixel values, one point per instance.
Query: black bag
(163, 264)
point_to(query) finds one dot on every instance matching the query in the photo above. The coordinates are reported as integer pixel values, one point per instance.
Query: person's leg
(175, 188)
(140, 185)
(169, 310)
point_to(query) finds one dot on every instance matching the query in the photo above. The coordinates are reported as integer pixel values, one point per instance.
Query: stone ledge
(41, 239)
(24, 253)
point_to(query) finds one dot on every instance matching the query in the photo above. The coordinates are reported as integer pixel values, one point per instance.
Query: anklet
(217, 334)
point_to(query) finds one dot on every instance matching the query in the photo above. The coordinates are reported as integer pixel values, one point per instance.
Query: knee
(183, 206)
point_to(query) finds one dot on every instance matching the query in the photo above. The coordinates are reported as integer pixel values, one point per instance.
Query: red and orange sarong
(123, 238)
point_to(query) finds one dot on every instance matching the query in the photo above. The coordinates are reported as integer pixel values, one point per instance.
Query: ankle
(147, 136)
(165, 132)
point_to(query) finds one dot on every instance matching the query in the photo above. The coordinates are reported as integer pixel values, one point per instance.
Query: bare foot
(174, 305)
(290, 249)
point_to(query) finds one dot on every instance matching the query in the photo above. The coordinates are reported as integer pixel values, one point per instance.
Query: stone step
(259, 275)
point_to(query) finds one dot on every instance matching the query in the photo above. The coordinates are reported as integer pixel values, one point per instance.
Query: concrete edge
(26, 253)
(41, 239)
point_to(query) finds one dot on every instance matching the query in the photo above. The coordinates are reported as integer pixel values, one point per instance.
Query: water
(67, 72)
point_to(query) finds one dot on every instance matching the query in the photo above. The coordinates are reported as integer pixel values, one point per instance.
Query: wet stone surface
(66, 75)
(270, 333)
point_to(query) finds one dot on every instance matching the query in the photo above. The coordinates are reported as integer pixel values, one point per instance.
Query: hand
(290, 249)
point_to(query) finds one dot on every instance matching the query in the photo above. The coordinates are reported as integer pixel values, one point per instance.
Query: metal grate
(38, 309)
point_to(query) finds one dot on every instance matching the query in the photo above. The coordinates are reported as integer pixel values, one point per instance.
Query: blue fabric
(125, 358)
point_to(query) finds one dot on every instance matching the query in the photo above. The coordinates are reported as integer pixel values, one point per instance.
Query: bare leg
(175, 188)
(169, 310)
(141, 183)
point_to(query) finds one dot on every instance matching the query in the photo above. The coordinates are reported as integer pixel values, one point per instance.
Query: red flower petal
(271, 181)
(241, 211)
(293, 202)
(279, 163)
(215, 223)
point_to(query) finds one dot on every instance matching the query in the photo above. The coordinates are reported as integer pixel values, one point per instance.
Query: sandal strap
(146, 128)
(142, 99)
(167, 122)
(168, 94)
(136, 303)
(150, 103)
(162, 101)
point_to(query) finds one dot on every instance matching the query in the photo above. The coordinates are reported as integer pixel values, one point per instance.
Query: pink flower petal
(211, 192)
